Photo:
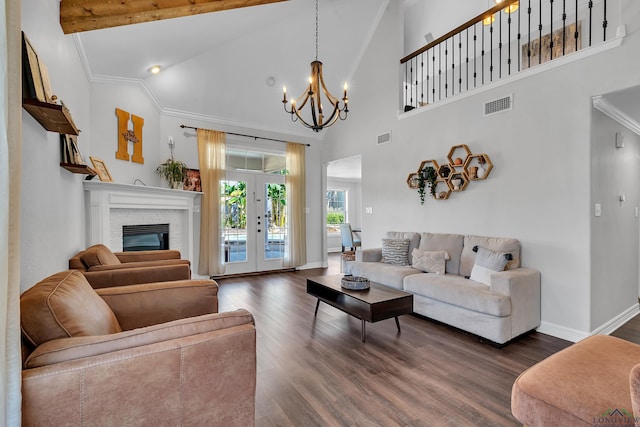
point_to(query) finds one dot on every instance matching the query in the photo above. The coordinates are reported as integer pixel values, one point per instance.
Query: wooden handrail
(461, 28)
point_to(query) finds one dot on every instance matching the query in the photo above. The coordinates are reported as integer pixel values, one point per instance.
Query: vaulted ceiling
(230, 66)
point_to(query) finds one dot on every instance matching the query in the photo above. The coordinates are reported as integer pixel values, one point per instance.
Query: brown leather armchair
(105, 269)
(151, 354)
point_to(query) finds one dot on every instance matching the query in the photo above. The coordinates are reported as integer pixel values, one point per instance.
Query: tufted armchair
(105, 269)
(151, 354)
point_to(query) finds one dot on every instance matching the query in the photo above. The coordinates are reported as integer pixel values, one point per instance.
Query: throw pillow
(394, 251)
(430, 261)
(98, 255)
(488, 262)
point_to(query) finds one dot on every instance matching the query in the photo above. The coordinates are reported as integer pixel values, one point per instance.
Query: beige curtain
(211, 155)
(295, 253)
(10, 164)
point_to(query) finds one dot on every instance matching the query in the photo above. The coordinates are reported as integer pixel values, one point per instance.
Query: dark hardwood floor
(317, 372)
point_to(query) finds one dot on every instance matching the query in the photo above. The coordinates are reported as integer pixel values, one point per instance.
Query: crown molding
(601, 104)
(219, 121)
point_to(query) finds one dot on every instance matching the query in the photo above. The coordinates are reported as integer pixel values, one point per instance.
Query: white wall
(105, 98)
(52, 215)
(614, 240)
(539, 189)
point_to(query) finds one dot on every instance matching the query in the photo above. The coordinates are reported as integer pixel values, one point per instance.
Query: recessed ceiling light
(155, 69)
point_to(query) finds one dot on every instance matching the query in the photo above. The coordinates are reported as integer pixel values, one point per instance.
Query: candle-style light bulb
(345, 89)
(284, 94)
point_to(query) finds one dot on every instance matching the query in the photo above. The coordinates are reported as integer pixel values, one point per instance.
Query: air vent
(384, 138)
(498, 105)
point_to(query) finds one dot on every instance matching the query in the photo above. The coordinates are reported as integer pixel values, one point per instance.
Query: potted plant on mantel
(173, 171)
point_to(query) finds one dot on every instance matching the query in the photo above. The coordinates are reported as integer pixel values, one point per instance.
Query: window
(336, 209)
(244, 160)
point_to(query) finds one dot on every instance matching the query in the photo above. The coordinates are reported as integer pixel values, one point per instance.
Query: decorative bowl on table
(355, 283)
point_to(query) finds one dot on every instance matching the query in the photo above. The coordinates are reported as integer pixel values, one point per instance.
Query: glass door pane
(235, 221)
(272, 232)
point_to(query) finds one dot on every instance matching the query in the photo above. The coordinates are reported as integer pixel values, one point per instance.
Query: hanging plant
(426, 176)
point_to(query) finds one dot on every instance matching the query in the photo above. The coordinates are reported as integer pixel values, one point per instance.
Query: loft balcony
(513, 38)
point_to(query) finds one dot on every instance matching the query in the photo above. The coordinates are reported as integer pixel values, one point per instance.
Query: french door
(254, 216)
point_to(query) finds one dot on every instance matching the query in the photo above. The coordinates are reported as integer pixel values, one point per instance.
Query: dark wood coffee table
(379, 302)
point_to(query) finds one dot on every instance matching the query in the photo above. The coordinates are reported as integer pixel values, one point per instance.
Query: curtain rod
(242, 134)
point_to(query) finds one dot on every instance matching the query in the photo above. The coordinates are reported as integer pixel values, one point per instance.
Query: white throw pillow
(394, 251)
(430, 261)
(488, 262)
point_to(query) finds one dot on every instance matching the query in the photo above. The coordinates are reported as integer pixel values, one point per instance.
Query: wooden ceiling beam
(86, 15)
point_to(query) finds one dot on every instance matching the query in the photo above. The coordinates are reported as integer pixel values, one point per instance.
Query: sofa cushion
(430, 261)
(98, 255)
(64, 305)
(452, 243)
(488, 262)
(500, 244)
(458, 291)
(414, 240)
(386, 274)
(394, 251)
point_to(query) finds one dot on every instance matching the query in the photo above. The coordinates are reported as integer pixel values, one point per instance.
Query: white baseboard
(575, 335)
(561, 332)
(617, 321)
(319, 264)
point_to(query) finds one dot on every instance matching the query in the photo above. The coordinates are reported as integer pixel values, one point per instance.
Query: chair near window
(348, 240)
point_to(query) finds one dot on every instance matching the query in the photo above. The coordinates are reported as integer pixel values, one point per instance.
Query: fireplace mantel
(110, 205)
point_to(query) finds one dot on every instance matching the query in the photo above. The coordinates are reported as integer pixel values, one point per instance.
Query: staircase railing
(506, 39)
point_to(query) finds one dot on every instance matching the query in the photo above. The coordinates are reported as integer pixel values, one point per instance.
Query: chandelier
(318, 120)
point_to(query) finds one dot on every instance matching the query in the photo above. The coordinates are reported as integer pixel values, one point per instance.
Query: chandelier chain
(316, 30)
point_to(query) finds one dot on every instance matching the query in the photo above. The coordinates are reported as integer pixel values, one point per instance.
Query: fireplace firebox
(146, 237)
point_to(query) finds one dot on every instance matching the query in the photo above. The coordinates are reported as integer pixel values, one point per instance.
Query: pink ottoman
(585, 384)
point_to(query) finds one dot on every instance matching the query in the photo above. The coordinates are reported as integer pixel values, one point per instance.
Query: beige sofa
(141, 355)
(506, 307)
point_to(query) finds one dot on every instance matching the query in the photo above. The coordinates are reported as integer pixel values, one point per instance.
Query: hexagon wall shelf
(462, 169)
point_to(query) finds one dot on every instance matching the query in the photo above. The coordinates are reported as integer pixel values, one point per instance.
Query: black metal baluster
(406, 86)
(604, 22)
(475, 56)
(529, 31)
(411, 80)
(518, 53)
(417, 102)
(446, 66)
(491, 52)
(590, 20)
(467, 73)
(439, 71)
(575, 33)
(500, 46)
(482, 70)
(551, 30)
(422, 79)
(564, 26)
(434, 75)
(509, 45)
(459, 62)
(427, 77)
(540, 36)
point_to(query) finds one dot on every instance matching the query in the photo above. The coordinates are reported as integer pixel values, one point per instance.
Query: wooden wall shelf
(81, 169)
(53, 117)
